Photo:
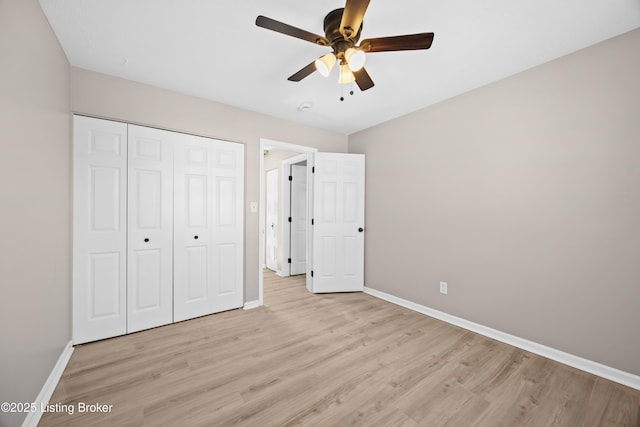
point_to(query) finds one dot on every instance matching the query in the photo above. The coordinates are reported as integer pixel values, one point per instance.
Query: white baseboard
(249, 305)
(613, 374)
(33, 418)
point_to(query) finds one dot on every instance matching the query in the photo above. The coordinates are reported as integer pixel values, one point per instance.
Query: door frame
(266, 144)
(278, 219)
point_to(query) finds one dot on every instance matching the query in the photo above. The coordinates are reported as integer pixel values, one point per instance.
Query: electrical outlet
(444, 288)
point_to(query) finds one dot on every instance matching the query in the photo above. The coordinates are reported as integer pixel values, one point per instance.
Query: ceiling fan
(342, 28)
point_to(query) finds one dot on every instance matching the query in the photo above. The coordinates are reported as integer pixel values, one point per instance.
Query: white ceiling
(212, 49)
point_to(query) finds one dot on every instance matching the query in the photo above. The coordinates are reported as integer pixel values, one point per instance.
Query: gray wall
(35, 187)
(522, 195)
(114, 98)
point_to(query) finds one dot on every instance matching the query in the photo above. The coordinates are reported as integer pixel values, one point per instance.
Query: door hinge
(311, 273)
(289, 219)
(290, 177)
(313, 169)
(289, 261)
(312, 222)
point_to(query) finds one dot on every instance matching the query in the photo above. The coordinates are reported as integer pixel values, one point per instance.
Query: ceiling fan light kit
(342, 28)
(325, 63)
(356, 58)
(346, 76)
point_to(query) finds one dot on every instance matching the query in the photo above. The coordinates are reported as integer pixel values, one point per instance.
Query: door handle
(195, 237)
(360, 229)
(146, 239)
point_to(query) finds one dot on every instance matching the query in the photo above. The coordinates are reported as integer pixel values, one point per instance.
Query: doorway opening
(286, 212)
(283, 157)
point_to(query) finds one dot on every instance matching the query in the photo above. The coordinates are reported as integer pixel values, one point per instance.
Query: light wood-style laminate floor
(328, 360)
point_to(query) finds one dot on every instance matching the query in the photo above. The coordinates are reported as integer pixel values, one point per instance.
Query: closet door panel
(99, 229)
(226, 278)
(150, 216)
(104, 285)
(197, 279)
(147, 265)
(193, 292)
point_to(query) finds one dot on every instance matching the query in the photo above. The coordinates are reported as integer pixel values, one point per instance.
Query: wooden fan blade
(352, 16)
(281, 27)
(303, 72)
(363, 80)
(394, 43)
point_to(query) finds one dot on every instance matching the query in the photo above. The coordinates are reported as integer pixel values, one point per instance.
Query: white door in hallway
(100, 229)
(150, 234)
(338, 222)
(298, 224)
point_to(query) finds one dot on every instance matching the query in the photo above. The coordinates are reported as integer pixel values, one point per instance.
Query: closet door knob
(195, 237)
(360, 229)
(146, 239)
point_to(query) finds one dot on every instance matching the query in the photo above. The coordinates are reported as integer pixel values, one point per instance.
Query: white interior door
(338, 222)
(227, 219)
(99, 229)
(271, 233)
(150, 223)
(298, 224)
(193, 180)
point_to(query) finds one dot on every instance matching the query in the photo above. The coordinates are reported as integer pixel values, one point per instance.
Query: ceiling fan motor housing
(332, 31)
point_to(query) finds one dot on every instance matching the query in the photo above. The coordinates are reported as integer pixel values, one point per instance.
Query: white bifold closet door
(150, 228)
(158, 227)
(99, 229)
(208, 230)
(228, 225)
(192, 232)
